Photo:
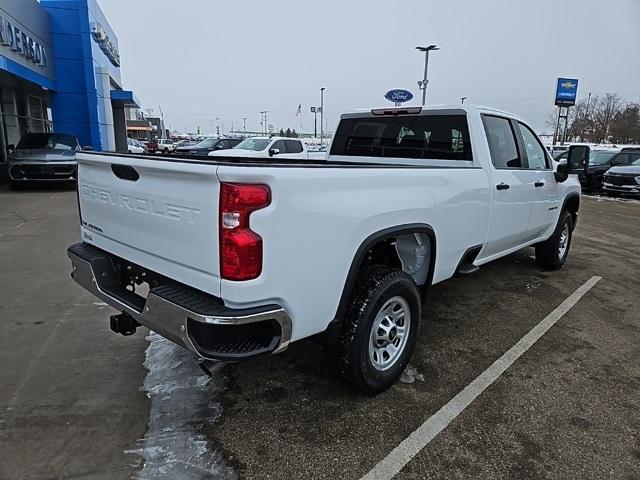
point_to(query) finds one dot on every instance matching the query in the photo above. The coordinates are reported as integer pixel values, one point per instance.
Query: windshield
(47, 141)
(208, 143)
(600, 158)
(637, 162)
(254, 144)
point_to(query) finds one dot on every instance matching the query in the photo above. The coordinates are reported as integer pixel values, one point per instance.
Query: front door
(546, 197)
(512, 189)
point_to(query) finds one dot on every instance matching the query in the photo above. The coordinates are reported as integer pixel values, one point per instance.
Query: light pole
(314, 110)
(244, 125)
(422, 84)
(321, 115)
(262, 122)
(462, 99)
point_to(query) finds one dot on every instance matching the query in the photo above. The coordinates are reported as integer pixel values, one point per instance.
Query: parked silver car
(43, 157)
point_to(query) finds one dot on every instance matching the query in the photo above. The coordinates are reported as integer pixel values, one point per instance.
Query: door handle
(502, 186)
(538, 184)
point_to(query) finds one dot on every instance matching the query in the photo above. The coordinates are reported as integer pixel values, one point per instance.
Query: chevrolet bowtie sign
(566, 92)
(22, 43)
(101, 37)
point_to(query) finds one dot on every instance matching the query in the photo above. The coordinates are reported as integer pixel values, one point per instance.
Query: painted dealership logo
(22, 43)
(101, 37)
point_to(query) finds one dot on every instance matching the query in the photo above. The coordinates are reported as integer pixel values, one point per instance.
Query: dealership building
(60, 71)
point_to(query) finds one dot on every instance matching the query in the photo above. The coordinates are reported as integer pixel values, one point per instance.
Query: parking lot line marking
(401, 455)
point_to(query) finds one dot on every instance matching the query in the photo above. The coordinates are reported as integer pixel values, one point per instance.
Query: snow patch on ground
(183, 402)
(613, 199)
(410, 375)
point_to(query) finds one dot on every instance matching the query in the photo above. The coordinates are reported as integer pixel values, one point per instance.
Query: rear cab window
(432, 136)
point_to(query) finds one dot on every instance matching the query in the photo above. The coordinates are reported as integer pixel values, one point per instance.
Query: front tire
(552, 254)
(380, 330)
(598, 182)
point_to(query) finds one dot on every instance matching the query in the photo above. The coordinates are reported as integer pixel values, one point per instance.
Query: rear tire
(552, 254)
(380, 330)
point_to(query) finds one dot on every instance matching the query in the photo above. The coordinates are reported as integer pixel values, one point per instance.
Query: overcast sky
(203, 59)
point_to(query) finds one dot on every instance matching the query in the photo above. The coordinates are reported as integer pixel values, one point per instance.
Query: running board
(466, 266)
(467, 269)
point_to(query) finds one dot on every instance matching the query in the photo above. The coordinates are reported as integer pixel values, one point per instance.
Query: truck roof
(467, 108)
(272, 138)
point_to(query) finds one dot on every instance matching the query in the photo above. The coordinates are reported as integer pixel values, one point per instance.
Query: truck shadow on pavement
(290, 406)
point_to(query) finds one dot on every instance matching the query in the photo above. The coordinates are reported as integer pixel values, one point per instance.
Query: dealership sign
(101, 37)
(19, 41)
(398, 95)
(566, 92)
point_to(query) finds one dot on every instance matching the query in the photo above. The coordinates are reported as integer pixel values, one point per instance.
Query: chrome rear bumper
(192, 319)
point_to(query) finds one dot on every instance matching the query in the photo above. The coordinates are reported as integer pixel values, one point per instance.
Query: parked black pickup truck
(602, 160)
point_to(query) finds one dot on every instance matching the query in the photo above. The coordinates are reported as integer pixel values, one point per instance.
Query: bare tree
(625, 127)
(599, 120)
(605, 108)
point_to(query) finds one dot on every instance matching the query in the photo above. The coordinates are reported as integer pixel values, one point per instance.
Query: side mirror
(578, 159)
(11, 148)
(561, 173)
(273, 151)
(88, 148)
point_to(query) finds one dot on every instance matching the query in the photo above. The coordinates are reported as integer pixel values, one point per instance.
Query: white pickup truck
(270, 147)
(235, 258)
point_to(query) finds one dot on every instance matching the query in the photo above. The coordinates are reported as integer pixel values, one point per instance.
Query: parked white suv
(166, 145)
(244, 256)
(133, 146)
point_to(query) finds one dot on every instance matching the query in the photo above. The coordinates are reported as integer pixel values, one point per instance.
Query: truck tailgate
(159, 214)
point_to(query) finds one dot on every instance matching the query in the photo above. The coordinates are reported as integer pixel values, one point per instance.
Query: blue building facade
(60, 71)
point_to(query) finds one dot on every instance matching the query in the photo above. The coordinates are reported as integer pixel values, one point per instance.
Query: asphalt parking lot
(77, 401)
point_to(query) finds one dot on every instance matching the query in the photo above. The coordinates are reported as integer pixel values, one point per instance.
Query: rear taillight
(240, 247)
(78, 196)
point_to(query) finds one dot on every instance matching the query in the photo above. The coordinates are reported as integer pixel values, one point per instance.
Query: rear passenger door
(512, 187)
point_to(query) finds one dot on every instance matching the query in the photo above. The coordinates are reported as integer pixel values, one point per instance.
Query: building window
(22, 113)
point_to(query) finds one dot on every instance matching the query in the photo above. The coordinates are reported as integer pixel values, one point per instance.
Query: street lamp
(462, 99)
(314, 110)
(263, 121)
(422, 84)
(321, 115)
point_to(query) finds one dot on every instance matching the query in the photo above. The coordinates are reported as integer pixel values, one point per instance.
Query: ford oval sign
(398, 95)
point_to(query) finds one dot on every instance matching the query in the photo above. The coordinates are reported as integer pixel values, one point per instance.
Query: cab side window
(502, 142)
(279, 145)
(620, 159)
(536, 156)
(293, 146)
